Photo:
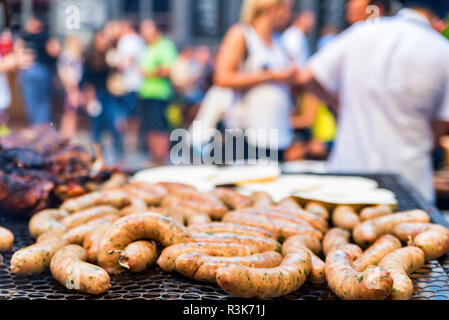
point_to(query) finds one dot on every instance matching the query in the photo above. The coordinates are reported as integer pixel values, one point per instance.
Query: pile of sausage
(248, 245)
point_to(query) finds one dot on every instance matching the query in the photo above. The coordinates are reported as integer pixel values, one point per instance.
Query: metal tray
(431, 282)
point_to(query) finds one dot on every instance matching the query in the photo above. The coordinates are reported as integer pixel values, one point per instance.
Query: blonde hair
(251, 9)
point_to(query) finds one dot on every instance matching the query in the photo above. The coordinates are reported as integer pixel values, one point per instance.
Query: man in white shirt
(294, 39)
(390, 80)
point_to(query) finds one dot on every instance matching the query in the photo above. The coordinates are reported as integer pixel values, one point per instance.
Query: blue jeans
(108, 121)
(35, 84)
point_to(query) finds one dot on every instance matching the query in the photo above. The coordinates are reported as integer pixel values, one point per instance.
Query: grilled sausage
(174, 186)
(150, 193)
(345, 217)
(288, 203)
(369, 231)
(78, 234)
(117, 180)
(232, 198)
(318, 209)
(137, 206)
(374, 254)
(378, 211)
(69, 268)
(201, 267)
(261, 199)
(201, 202)
(114, 197)
(92, 242)
(433, 239)
(282, 229)
(244, 282)
(199, 218)
(175, 214)
(47, 220)
(348, 284)
(313, 247)
(257, 244)
(87, 215)
(150, 226)
(6, 239)
(36, 258)
(183, 210)
(222, 227)
(138, 256)
(169, 255)
(401, 263)
(338, 239)
(313, 220)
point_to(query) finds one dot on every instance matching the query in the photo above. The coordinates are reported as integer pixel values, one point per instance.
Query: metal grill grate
(431, 282)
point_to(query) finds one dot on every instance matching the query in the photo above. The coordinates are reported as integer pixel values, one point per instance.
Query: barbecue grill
(431, 282)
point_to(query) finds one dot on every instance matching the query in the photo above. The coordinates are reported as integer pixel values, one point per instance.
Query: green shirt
(160, 54)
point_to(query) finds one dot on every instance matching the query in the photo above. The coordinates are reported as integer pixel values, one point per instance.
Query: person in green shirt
(156, 90)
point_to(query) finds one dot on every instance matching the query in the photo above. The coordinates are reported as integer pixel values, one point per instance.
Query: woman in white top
(251, 61)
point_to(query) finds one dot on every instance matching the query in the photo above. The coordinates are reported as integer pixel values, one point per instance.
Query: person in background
(393, 106)
(358, 10)
(18, 59)
(295, 39)
(70, 72)
(327, 35)
(156, 90)
(99, 102)
(36, 81)
(253, 63)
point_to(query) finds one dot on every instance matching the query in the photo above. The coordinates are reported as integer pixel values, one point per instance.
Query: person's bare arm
(439, 128)
(310, 105)
(307, 79)
(18, 60)
(232, 53)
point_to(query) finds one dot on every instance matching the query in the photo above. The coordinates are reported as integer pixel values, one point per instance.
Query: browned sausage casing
(261, 199)
(68, 266)
(374, 254)
(150, 193)
(36, 258)
(338, 239)
(370, 213)
(313, 220)
(137, 206)
(169, 255)
(313, 247)
(78, 234)
(222, 227)
(345, 217)
(199, 218)
(433, 239)
(318, 209)
(348, 284)
(112, 197)
(367, 232)
(257, 244)
(87, 215)
(201, 267)
(6, 239)
(233, 199)
(138, 256)
(201, 202)
(273, 215)
(92, 242)
(244, 282)
(282, 229)
(401, 263)
(288, 203)
(150, 226)
(46, 220)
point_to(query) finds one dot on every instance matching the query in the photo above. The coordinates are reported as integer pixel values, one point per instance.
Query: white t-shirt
(5, 94)
(296, 44)
(131, 46)
(265, 108)
(392, 78)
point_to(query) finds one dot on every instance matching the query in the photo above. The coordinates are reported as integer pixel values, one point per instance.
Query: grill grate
(431, 282)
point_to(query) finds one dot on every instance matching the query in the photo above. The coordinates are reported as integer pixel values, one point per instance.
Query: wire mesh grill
(431, 282)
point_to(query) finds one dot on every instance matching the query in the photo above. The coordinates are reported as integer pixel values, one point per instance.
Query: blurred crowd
(133, 80)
